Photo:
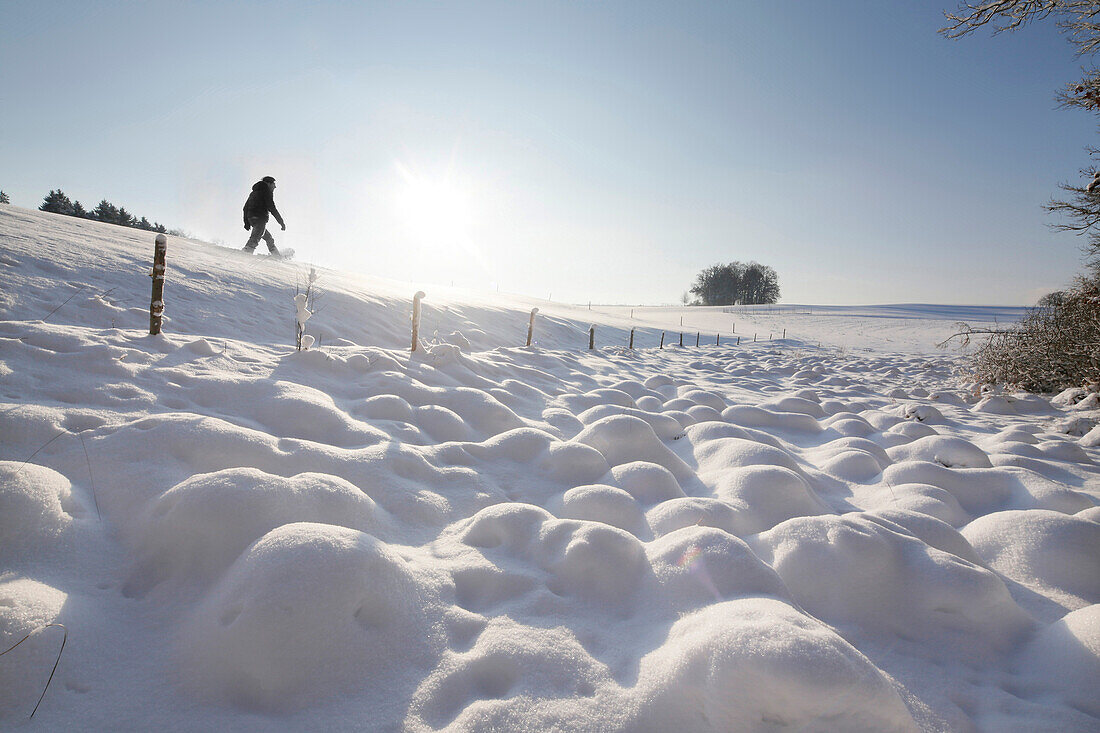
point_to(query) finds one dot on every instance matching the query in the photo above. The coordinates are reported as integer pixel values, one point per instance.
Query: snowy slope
(830, 532)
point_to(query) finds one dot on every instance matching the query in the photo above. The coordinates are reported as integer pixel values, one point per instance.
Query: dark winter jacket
(260, 202)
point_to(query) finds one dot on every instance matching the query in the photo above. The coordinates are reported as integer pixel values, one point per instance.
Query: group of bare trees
(1057, 344)
(736, 283)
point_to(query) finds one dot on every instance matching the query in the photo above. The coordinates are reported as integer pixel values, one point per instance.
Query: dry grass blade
(64, 639)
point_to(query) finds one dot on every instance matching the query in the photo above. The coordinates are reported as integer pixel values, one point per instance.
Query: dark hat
(268, 179)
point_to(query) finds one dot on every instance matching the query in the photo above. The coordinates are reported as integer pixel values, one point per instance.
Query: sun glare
(437, 212)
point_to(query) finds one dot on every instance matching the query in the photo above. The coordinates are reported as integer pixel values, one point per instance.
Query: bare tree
(1080, 21)
(1057, 344)
(736, 283)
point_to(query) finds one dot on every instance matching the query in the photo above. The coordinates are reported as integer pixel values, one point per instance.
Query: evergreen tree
(105, 211)
(143, 223)
(79, 210)
(125, 218)
(159, 228)
(57, 202)
(4, 198)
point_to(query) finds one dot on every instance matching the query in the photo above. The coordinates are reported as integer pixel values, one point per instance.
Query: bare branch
(1007, 15)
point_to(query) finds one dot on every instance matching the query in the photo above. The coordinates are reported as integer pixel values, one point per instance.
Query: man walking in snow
(261, 202)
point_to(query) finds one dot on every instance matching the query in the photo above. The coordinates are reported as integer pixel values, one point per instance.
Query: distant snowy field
(825, 532)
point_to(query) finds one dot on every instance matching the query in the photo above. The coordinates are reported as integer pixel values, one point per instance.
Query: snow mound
(854, 570)
(1064, 658)
(36, 506)
(669, 516)
(309, 611)
(516, 678)
(757, 663)
(607, 504)
(196, 529)
(695, 566)
(946, 451)
(26, 606)
(648, 483)
(626, 439)
(766, 495)
(1042, 549)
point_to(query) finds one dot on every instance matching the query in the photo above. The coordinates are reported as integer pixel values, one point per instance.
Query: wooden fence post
(531, 325)
(717, 338)
(697, 339)
(416, 318)
(591, 337)
(662, 340)
(754, 338)
(784, 334)
(681, 336)
(156, 303)
(632, 338)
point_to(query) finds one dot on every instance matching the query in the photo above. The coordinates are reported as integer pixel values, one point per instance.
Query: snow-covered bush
(304, 307)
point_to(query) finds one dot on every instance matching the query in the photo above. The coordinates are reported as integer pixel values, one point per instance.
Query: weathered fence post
(531, 325)
(738, 341)
(717, 338)
(591, 337)
(696, 339)
(631, 338)
(784, 334)
(754, 338)
(662, 339)
(681, 336)
(416, 318)
(156, 303)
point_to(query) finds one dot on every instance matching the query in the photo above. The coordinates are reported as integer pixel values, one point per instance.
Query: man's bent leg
(270, 240)
(259, 229)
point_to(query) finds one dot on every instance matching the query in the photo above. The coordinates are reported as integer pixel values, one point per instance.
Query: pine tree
(143, 223)
(125, 218)
(57, 202)
(79, 210)
(105, 211)
(4, 198)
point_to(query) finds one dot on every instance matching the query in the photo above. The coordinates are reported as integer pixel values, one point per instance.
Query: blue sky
(602, 151)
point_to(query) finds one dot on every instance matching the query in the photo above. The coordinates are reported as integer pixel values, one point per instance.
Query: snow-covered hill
(828, 531)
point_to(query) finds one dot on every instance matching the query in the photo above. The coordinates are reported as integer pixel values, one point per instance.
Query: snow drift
(482, 536)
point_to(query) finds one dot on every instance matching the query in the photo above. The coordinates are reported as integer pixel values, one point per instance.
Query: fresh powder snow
(814, 524)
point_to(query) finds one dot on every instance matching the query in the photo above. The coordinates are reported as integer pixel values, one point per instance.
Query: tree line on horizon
(58, 203)
(736, 283)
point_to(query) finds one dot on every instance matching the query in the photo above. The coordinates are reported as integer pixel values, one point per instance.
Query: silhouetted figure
(261, 202)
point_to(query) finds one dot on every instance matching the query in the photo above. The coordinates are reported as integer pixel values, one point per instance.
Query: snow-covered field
(828, 532)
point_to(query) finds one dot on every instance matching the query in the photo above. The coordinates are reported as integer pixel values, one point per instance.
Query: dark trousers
(259, 229)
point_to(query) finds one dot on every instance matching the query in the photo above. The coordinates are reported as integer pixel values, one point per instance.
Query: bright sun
(437, 212)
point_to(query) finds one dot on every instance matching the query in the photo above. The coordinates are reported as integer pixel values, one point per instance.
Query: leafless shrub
(1051, 348)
